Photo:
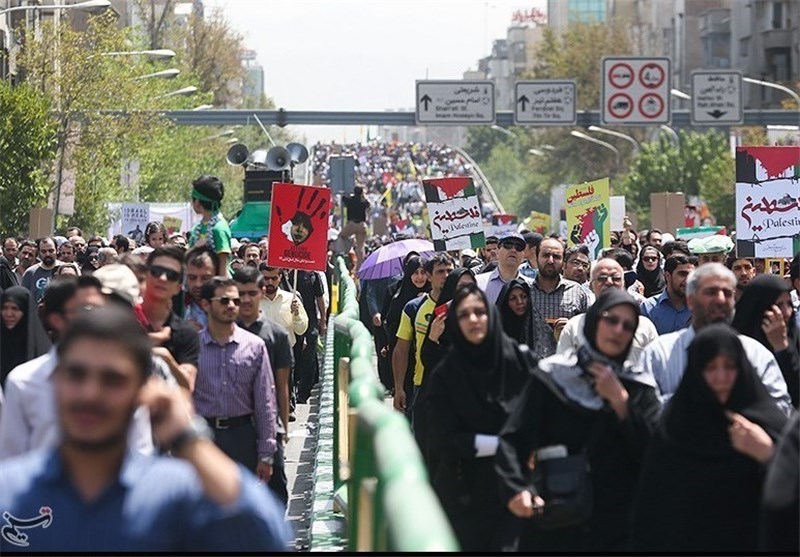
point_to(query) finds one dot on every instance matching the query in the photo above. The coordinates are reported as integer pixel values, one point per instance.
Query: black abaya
(27, 340)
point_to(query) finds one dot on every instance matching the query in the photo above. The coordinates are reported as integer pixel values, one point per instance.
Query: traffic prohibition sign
(651, 105)
(620, 105)
(621, 75)
(651, 76)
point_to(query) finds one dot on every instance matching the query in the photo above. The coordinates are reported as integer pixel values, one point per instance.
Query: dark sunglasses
(172, 275)
(224, 300)
(615, 320)
(512, 245)
(650, 258)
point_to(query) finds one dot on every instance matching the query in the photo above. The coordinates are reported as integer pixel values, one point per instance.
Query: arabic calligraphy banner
(588, 218)
(767, 201)
(298, 227)
(454, 212)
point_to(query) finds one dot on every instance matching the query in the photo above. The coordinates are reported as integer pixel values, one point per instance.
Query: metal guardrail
(379, 479)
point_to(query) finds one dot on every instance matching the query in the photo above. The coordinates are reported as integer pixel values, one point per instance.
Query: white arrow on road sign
(717, 98)
(455, 102)
(545, 102)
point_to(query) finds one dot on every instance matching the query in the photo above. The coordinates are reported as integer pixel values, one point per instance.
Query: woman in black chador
(471, 393)
(702, 478)
(581, 405)
(522, 321)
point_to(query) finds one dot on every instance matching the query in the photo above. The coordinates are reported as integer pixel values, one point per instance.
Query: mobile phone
(440, 310)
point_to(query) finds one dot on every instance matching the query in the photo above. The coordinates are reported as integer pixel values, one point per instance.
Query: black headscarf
(695, 419)
(609, 298)
(8, 278)
(27, 340)
(530, 328)
(404, 294)
(697, 493)
(491, 369)
(654, 281)
(759, 296)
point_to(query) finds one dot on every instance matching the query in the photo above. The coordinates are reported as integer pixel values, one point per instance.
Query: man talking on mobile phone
(91, 493)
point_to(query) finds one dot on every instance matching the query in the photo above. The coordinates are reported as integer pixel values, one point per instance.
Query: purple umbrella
(387, 261)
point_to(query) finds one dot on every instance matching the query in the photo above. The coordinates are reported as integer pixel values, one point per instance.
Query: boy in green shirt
(213, 230)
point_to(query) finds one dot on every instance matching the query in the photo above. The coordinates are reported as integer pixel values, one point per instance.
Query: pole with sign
(545, 103)
(635, 91)
(455, 102)
(717, 98)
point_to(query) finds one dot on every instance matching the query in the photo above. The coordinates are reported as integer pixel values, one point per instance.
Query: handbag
(565, 485)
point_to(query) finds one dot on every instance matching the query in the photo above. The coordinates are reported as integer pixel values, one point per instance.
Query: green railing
(379, 479)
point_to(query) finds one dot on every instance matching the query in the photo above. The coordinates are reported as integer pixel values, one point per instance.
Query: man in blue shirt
(91, 493)
(668, 311)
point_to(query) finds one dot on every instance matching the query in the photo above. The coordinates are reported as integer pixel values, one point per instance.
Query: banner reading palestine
(767, 201)
(588, 219)
(455, 214)
(298, 227)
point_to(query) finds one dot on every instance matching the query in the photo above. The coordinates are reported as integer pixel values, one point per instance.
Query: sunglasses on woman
(615, 320)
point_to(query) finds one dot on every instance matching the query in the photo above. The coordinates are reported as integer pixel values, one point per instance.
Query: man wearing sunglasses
(509, 257)
(174, 339)
(607, 273)
(235, 390)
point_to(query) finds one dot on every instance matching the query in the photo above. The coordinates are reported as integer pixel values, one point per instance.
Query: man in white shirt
(606, 273)
(283, 307)
(28, 420)
(710, 291)
(509, 258)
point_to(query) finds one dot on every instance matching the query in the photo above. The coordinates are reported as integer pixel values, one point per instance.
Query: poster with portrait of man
(298, 227)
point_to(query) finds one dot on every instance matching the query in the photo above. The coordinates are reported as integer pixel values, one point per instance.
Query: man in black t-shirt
(357, 206)
(312, 294)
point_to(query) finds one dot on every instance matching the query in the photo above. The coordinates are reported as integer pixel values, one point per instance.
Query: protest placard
(454, 212)
(298, 231)
(588, 216)
(767, 201)
(135, 217)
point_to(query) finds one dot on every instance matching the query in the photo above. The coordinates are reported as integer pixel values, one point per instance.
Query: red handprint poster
(588, 219)
(298, 227)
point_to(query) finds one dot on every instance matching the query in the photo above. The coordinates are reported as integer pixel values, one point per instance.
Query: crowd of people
(146, 395)
(644, 401)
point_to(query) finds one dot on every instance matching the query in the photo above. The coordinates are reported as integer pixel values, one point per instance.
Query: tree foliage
(694, 168)
(27, 137)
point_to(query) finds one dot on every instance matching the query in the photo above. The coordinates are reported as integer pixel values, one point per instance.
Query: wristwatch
(268, 460)
(196, 429)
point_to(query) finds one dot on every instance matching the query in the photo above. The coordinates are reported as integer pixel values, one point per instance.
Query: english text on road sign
(635, 91)
(455, 102)
(545, 102)
(717, 98)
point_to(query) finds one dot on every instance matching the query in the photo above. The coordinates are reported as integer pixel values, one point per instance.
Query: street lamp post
(585, 137)
(771, 85)
(159, 53)
(163, 74)
(185, 92)
(514, 137)
(88, 5)
(626, 137)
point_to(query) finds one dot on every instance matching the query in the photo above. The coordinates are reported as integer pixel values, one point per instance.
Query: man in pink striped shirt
(235, 391)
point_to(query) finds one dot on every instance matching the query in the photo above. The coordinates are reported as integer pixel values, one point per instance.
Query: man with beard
(283, 307)
(27, 258)
(38, 276)
(250, 282)
(201, 263)
(235, 390)
(744, 271)
(509, 258)
(668, 311)
(91, 494)
(607, 273)
(28, 420)
(710, 297)
(556, 297)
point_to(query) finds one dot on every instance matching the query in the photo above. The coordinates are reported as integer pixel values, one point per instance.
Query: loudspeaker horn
(298, 153)
(237, 154)
(258, 157)
(278, 158)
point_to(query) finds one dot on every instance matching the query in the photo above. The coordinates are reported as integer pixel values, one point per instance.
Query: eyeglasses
(615, 320)
(172, 275)
(616, 279)
(224, 300)
(650, 258)
(512, 245)
(579, 263)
